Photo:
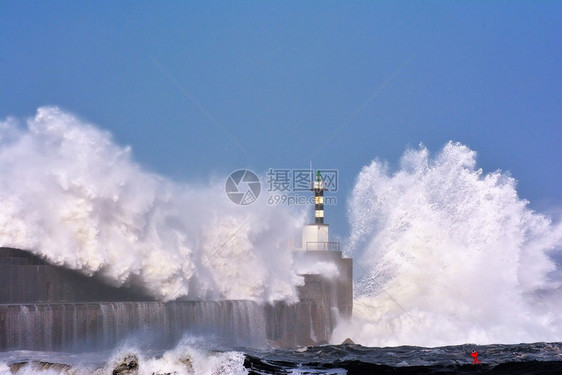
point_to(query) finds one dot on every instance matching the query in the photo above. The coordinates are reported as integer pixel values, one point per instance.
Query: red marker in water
(474, 355)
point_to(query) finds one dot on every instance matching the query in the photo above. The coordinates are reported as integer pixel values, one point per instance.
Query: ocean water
(196, 356)
(100, 201)
(446, 253)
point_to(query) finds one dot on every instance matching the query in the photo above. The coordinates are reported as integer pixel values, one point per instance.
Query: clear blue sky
(282, 76)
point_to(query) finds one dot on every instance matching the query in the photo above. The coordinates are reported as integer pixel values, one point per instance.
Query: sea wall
(26, 278)
(49, 307)
(104, 325)
(335, 291)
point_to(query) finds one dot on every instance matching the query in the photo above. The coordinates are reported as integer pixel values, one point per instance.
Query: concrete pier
(50, 308)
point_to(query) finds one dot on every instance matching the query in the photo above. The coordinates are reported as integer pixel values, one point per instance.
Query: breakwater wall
(105, 325)
(51, 308)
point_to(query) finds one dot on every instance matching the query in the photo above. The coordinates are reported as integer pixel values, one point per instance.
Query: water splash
(193, 355)
(73, 196)
(465, 259)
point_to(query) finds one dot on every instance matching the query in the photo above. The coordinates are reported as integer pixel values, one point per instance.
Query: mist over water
(447, 254)
(70, 194)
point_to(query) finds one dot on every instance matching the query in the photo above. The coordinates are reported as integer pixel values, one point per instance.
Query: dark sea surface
(537, 358)
(195, 357)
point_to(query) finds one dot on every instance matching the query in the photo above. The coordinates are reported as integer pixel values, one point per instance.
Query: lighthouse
(316, 255)
(316, 236)
(318, 187)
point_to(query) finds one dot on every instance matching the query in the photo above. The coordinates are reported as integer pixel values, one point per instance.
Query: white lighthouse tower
(328, 277)
(316, 236)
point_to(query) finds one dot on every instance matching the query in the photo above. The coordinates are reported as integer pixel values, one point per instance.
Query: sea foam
(447, 254)
(70, 194)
